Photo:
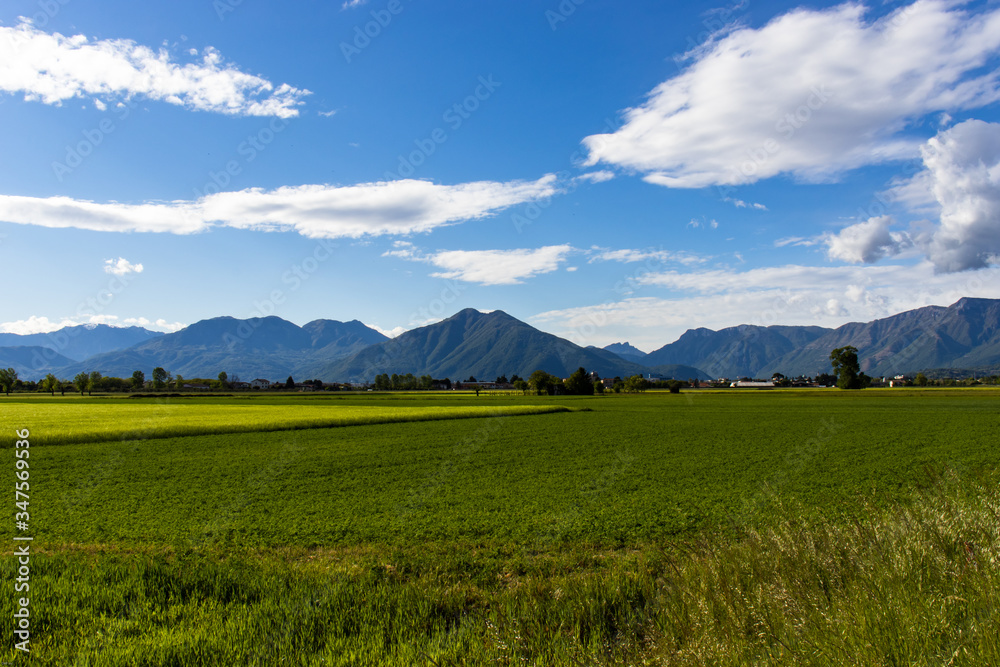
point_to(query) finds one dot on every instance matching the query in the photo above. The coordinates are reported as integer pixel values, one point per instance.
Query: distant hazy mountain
(79, 342)
(482, 345)
(32, 361)
(963, 335)
(736, 351)
(269, 347)
(627, 352)
(332, 339)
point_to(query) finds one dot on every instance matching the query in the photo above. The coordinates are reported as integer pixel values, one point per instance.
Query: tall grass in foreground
(915, 585)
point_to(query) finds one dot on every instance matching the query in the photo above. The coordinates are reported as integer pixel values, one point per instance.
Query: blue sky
(605, 172)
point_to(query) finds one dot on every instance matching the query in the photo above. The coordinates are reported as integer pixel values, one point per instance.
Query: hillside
(80, 342)
(482, 345)
(626, 352)
(268, 347)
(963, 335)
(740, 351)
(32, 361)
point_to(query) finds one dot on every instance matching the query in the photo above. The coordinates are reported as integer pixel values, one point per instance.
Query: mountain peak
(484, 345)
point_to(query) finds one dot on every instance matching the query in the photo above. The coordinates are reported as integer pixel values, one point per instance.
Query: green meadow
(65, 420)
(786, 527)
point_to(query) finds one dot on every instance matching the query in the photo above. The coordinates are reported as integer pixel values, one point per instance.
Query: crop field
(65, 420)
(732, 528)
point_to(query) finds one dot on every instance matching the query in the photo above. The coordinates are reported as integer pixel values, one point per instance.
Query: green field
(784, 527)
(76, 419)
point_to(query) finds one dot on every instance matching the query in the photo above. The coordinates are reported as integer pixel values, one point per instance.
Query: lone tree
(159, 377)
(94, 382)
(636, 384)
(289, 383)
(579, 383)
(542, 382)
(846, 366)
(8, 376)
(138, 379)
(81, 382)
(51, 383)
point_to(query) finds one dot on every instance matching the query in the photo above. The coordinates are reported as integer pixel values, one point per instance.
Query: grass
(722, 528)
(913, 586)
(76, 419)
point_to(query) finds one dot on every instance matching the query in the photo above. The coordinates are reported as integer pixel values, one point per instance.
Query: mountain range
(83, 341)
(486, 346)
(267, 347)
(965, 335)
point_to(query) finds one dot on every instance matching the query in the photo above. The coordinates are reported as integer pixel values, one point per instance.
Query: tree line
(844, 360)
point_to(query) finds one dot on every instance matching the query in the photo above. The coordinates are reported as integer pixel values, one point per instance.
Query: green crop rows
(75, 420)
(700, 528)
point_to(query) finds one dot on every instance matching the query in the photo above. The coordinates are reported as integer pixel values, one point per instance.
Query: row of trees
(394, 382)
(843, 359)
(89, 382)
(580, 383)
(86, 383)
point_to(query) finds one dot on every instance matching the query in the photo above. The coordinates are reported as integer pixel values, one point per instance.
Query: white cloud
(391, 333)
(41, 324)
(52, 68)
(315, 211)
(159, 324)
(812, 94)
(963, 164)
(795, 295)
(121, 266)
(959, 187)
(487, 267)
(832, 308)
(403, 250)
(179, 217)
(867, 242)
(694, 223)
(739, 203)
(35, 324)
(351, 4)
(499, 267)
(795, 241)
(791, 277)
(597, 176)
(650, 256)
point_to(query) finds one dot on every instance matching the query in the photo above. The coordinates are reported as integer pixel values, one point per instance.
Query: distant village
(540, 382)
(514, 383)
